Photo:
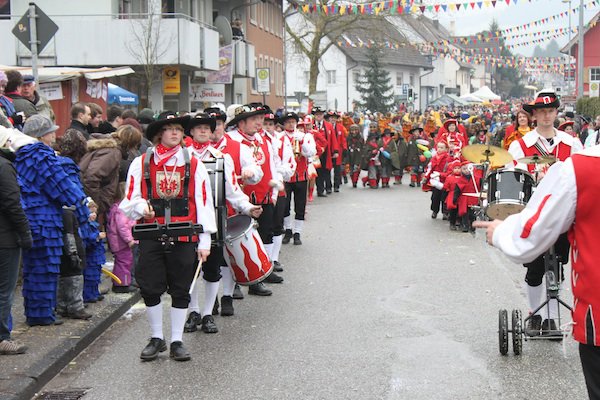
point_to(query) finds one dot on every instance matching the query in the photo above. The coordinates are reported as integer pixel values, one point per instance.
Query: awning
(118, 95)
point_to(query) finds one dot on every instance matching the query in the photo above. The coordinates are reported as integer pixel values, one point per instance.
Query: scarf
(162, 153)
(200, 147)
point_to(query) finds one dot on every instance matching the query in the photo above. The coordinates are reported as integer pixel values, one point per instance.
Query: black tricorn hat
(289, 115)
(201, 119)
(544, 99)
(165, 118)
(216, 113)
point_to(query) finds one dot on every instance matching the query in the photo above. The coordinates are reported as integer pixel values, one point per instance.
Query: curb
(42, 372)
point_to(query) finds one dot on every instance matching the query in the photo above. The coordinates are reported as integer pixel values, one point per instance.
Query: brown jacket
(100, 171)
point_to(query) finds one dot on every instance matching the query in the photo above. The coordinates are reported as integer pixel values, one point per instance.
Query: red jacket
(340, 135)
(449, 185)
(465, 185)
(327, 132)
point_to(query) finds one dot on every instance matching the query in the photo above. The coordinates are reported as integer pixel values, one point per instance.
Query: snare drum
(508, 192)
(248, 258)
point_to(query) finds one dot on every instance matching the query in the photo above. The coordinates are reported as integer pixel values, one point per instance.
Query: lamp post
(571, 72)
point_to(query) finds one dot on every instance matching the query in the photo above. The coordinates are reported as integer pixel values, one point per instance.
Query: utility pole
(33, 41)
(580, 53)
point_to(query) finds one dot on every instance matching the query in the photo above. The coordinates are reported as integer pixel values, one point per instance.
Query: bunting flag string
(399, 7)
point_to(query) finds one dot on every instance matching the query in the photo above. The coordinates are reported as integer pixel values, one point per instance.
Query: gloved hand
(24, 240)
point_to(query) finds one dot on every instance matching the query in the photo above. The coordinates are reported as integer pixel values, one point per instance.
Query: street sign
(263, 84)
(405, 89)
(45, 28)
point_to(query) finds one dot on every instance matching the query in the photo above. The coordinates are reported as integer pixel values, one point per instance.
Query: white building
(346, 59)
(107, 32)
(448, 76)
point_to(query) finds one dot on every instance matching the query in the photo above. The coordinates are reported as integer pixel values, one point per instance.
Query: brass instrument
(296, 147)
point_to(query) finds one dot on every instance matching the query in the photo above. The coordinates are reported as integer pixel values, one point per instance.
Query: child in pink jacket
(120, 240)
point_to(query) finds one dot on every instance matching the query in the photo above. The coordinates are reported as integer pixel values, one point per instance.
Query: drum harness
(166, 207)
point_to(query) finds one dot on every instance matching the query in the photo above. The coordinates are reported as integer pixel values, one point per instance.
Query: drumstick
(111, 276)
(196, 274)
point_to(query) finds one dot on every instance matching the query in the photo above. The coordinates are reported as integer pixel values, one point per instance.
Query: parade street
(380, 302)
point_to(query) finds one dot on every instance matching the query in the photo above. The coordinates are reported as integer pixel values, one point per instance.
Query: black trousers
(438, 197)
(281, 207)
(166, 269)
(537, 268)
(323, 180)
(299, 191)
(266, 223)
(337, 176)
(590, 362)
(211, 268)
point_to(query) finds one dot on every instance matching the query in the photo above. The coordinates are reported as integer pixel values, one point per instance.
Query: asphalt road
(381, 302)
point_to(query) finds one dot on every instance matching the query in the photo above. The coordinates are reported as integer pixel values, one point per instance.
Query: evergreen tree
(374, 86)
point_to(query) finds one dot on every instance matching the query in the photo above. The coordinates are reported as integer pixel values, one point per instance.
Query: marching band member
(331, 151)
(247, 121)
(565, 201)
(285, 167)
(542, 141)
(201, 128)
(246, 169)
(296, 184)
(167, 185)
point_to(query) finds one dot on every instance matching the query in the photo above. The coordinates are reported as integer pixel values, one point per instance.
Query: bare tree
(314, 34)
(147, 46)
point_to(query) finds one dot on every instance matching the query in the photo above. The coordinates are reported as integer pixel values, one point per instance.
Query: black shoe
(154, 347)
(411, 184)
(237, 293)
(192, 322)
(336, 190)
(277, 267)
(297, 240)
(321, 195)
(286, 237)
(178, 352)
(444, 217)
(208, 324)
(259, 289)
(465, 228)
(123, 289)
(215, 310)
(354, 185)
(453, 227)
(226, 306)
(328, 191)
(345, 179)
(534, 325)
(433, 215)
(274, 278)
(549, 329)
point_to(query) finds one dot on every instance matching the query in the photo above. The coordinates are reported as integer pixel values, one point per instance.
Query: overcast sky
(473, 21)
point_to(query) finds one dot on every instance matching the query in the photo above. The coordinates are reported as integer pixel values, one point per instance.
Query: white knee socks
(287, 222)
(178, 317)
(276, 247)
(228, 282)
(155, 319)
(298, 225)
(534, 296)
(269, 249)
(194, 304)
(211, 289)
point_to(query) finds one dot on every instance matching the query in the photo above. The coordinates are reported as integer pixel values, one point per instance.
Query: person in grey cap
(41, 128)
(40, 102)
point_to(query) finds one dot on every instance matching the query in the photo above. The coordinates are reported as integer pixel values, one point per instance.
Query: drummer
(543, 141)
(201, 128)
(166, 177)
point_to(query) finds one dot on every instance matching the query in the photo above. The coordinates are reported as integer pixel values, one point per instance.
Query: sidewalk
(51, 348)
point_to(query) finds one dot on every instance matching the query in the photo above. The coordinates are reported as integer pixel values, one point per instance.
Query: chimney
(452, 28)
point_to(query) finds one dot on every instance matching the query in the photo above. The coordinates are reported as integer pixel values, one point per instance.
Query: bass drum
(216, 175)
(248, 258)
(508, 192)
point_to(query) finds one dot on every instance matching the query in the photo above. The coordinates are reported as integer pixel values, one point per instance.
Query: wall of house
(591, 56)
(264, 29)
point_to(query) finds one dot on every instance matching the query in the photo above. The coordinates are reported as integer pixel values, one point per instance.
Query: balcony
(85, 40)
(243, 56)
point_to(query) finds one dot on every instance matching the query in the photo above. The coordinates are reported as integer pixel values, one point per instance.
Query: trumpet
(296, 147)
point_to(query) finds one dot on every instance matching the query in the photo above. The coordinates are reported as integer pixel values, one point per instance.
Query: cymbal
(478, 153)
(535, 159)
(483, 195)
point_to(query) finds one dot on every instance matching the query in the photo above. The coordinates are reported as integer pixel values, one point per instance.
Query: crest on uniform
(259, 155)
(168, 186)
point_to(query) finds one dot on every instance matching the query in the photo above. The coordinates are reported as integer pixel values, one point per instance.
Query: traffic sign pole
(33, 41)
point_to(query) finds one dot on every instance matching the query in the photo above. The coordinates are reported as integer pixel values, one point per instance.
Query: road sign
(45, 29)
(263, 84)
